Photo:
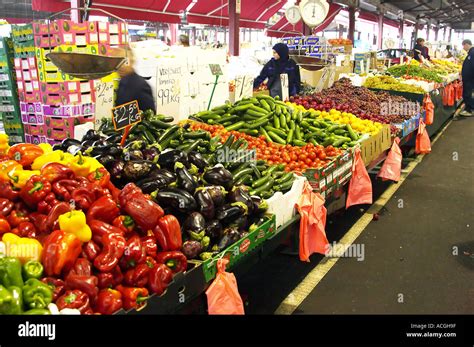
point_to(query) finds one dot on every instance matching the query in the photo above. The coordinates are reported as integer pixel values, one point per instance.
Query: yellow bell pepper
(94, 164)
(4, 144)
(67, 158)
(51, 157)
(74, 222)
(23, 248)
(79, 165)
(46, 147)
(19, 177)
(6, 167)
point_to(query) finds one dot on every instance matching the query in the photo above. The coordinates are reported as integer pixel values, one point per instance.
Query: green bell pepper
(10, 300)
(32, 269)
(37, 294)
(10, 272)
(37, 311)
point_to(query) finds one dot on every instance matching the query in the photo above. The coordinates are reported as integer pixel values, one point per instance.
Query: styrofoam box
(283, 205)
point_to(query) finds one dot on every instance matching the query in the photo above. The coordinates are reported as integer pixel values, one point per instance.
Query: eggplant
(57, 147)
(149, 184)
(218, 175)
(205, 203)
(185, 180)
(191, 249)
(91, 135)
(106, 159)
(101, 143)
(114, 138)
(197, 159)
(151, 153)
(166, 174)
(217, 194)
(114, 150)
(242, 223)
(87, 143)
(69, 142)
(178, 199)
(136, 169)
(116, 169)
(137, 144)
(239, 194)
(169, 158)
(230, 212)
(231, 235)
(214, 229)
(259, 205)
(194, 222)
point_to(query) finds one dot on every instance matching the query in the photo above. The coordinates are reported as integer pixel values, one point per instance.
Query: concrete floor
(409, 266)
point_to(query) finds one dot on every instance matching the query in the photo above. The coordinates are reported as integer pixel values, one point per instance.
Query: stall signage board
(126, 115)
(284, 87)
(243, 87)
(104, 92)
(216, 69)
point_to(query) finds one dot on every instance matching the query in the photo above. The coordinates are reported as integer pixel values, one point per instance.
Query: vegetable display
(390, 83)
(411, 70)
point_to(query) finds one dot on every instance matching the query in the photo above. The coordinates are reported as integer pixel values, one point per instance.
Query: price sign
(332, 75)
(284, 87)
(104, 92)
(126, 114)
(243, 87)
(216, 69)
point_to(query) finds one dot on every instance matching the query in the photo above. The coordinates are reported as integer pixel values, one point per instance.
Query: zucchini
(240, 108)
(227, 118)
(276, 138)
(267, 195)
(352, 133)
(283, 121)
(253, 132)
(235, 126)
(257, 114)
(256, 171)
(259, 109)
(149, 136)
(261, 181)
(264, 187)
(240, 167)
(242, 179)
(283, 187)
(164, 143)
(242, 172)
(276, 121)
(286, 177)
(270, 170)
(229, 141)
(200, 134)
(168, 132)
(279, 132)
(299, 143)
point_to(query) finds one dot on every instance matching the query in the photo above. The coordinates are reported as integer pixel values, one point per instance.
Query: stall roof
(254, 14)
(284, 29)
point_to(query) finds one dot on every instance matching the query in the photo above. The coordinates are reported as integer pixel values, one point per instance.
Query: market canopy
(284, 29)
(254, 14)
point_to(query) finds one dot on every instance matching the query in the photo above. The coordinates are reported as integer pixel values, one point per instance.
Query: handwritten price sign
(243, 87)
(126, 114)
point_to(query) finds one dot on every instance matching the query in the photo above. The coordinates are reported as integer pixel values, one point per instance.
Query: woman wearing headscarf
(280, 64)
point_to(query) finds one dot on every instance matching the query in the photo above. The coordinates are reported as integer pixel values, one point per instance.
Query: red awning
(284, 29)
(254, 14)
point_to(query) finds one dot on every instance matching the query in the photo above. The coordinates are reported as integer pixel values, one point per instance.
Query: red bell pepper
(57, 286)
(74, 299)
(83, 197)
(39, 221)
(100, 229)
(82, 267)
(175, 260)
(109, 301)
(47, 204)
(60, 251)
(25, 153)
(55, 171)
(35, 190)
(86, 284)
(158, 278)
(110, 279)
(124, 223)
(151, 262)
(4, 226)
(168, 233)
(21, 207)
(104, 209)
(7, 191)
(138, 276)
(144, 212)
(134, 253)
(15, 218)
(53, 215)
(64, 188)
(6, 206)
(112, 250)
(149, 243)
(27, 229)
(90, 250)
(133, 297)
(114, 191)
(100, 177)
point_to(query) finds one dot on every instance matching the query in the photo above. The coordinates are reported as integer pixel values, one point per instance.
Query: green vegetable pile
(416, 71)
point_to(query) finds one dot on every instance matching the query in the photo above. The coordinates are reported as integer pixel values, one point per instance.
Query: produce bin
(372, 147)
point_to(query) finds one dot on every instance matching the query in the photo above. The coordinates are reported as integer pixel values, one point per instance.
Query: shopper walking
(280, 64)
(467, 74)
(420, 52)
(132, 86)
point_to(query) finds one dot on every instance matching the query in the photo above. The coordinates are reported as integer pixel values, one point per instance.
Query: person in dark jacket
(132, 86)
(467, 74)
(280, 64)
(421, 51)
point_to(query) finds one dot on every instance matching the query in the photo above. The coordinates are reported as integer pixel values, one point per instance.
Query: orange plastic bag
(312, 223)
(392, 166)
(451, 95)
(223, 295)
(429, 109)
(459, 95)
(423, 143)
(360, 186)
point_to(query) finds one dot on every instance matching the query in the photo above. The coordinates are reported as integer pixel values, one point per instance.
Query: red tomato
(308, 162)
(302, 157)
(322, 156)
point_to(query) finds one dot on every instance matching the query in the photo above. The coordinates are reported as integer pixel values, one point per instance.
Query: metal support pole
(428, 29)
(234, 30)
(380, 35)
(350, 34)
(400, 32)
(174, 33)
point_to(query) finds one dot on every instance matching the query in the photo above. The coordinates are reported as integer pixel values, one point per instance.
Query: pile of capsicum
(81, 242)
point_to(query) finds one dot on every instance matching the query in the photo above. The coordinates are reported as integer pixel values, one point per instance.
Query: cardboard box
(22, 33)
(36, 140)
(66, 87)
(29, 97)
(60, 99)
(61, 128)
(31, 108)
(24, 49)
(43, 28)
(35, 129)
(31, 86)
(373, 147)
(48, 41)
(27, 118)
(68, 110)
(90, 49)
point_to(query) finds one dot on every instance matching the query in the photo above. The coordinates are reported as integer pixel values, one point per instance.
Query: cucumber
(278, 110)
(313, 141)
(299, 143)
(289, 137)
(229, 141)
(203, 113)
(286, 177)
(160, 124)
(264, 133)
(271, 104)
(267, 195)
(242, 179)
(351, 132)
(264, 187)
(256, 171)
(276, 138)
(276, 121)
(257, 124)
(298, 134)
(279, 132)
(227, 118)
(265, 105)
(292, 125)
(283, 121)
(240, 108)
(200, 134)
(235, 126)
(329, 141)
(253, 132)
(259, 109)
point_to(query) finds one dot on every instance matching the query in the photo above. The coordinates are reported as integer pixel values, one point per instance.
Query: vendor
(420, 52)
(183, 40)
(467, 74)
(280, 64)
(132, 86)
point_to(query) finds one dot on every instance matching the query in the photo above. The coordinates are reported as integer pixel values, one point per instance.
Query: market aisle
(409, 250)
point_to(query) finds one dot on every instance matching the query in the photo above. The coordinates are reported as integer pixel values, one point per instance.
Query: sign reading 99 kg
(126, 114)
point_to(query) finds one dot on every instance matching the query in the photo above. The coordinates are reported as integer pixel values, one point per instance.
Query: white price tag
(104, 94)
(243, 87)
(284, 87)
